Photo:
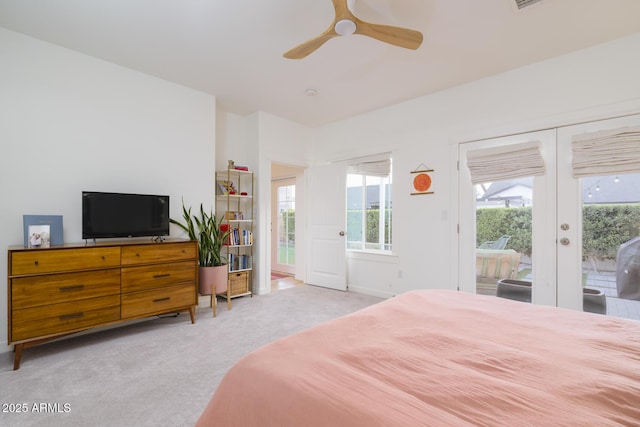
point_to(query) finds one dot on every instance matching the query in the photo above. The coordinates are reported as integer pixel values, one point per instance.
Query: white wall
(284, 142)
(594, 83)
(256, 141)
(69, 122)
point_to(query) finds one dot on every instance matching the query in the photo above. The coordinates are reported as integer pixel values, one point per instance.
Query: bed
(440, 358)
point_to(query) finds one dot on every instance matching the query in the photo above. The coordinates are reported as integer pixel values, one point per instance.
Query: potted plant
(205, 229)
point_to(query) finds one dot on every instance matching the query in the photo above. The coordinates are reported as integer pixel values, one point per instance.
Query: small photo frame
(39, 236)
(42, 231)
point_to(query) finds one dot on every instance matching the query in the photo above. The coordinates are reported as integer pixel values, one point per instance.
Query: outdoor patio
(603, 280)
(606, 282)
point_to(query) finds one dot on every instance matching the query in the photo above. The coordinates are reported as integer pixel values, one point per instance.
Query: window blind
(607, 152)
(378, 165)
(505, 162)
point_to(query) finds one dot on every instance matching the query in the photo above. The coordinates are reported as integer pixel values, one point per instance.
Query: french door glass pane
(611, 245)
(286, 225)
(504, 238)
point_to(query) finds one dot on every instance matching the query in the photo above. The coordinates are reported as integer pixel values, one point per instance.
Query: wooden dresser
(70, 288)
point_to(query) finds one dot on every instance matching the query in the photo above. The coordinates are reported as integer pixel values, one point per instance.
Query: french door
(560, 241)
(598, 224)
(283, 240)
(529, 253)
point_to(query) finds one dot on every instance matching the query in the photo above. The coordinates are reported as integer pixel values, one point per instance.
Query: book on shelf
(233, 215)
(240, 262)
(239, 237)
(247, 237)
(224, 228)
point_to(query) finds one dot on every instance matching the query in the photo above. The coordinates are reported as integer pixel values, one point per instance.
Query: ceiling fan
(346, 23)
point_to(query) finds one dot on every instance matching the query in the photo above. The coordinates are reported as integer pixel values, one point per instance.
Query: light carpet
(160, 372)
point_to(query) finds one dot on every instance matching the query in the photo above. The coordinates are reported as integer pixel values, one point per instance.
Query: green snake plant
(206, 230)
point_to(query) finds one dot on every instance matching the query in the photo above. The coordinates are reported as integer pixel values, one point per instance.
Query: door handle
(564, 241)
(341, 233)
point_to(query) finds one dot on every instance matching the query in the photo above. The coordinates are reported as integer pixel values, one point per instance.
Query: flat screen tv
(124, 215)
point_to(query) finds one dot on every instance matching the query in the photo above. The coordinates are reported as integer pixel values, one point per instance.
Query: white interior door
(326, 254)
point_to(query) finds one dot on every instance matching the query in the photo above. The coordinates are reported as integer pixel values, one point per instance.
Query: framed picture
(42, 231)
(421, 180)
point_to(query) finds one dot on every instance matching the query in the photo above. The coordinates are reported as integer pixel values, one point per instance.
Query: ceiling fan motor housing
(345, 27)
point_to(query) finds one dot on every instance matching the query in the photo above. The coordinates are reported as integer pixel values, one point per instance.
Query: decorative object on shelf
(42, 231)
(226, 187)
(421, 180)
(206, 230)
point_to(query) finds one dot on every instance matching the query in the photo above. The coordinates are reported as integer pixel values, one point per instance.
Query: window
(369, 204)
(287, 225)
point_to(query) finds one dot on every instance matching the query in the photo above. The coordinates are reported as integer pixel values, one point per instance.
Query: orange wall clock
(421, 180)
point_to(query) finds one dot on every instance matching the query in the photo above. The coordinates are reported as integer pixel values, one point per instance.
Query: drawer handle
(35, 262)
(162, 299)
(158, 276)
(71, 316)
(71, 288)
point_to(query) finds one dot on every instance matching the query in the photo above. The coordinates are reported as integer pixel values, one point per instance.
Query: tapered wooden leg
(17, 356)
(192, 313)
(214, 303)
(228, 299)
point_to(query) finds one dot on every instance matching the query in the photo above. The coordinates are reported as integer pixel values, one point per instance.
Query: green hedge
(354, 226)
(288, 218)
(491, 223)
(605, 228)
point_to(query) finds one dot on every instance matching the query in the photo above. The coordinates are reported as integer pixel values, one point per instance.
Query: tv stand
(69, 288)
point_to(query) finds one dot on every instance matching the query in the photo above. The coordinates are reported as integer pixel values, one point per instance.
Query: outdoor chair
(499, 244)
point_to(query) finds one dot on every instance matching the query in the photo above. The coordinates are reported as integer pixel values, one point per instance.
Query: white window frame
(378, 166)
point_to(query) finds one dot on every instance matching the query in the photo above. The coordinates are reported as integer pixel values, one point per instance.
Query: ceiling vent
(521, 4)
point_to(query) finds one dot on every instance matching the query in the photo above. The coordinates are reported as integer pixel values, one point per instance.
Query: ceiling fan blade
(305, 49)
(396, 36)
(342, 10)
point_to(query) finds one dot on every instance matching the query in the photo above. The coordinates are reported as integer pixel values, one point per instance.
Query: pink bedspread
(441, 358)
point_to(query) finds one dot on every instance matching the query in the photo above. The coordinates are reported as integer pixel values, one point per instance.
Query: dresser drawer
(35, 291)
(64, 317)
(159, 252)
(159, 275)
(38, 261)
(139, 304)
